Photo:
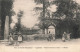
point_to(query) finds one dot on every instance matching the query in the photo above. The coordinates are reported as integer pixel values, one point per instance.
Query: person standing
(68, 36)
(53, 37)
(49, 36)
(10, 39)
(64, 37)
(16, 39)
(20, 38)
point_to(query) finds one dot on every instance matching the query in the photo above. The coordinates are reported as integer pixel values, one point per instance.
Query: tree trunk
(0, 19)
(44, 13)
(44, 8)
(2, 26)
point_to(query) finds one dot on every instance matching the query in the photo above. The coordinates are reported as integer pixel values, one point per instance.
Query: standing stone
(6, 29)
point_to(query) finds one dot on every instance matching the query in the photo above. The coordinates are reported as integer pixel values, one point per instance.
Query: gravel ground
(43, 46)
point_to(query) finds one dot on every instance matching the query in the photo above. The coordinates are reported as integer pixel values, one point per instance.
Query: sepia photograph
(39, 25)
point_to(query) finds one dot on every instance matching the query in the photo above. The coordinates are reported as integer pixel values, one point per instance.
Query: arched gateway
(51, 29)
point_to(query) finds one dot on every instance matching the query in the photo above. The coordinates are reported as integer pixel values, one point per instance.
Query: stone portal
(51, 30)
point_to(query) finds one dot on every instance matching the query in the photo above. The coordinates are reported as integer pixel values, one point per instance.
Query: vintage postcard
(39, 25)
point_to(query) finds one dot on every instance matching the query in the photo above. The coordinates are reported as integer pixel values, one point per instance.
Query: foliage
(18, 25)
(67, 14)
(7, 6)
(20, 13)
(70, 10)
(44, 12)
(6, 10)
(65, 7)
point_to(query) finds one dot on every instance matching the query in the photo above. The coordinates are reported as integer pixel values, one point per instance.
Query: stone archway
(51, 30)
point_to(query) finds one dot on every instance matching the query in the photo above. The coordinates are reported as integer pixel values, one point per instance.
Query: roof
(51, 27)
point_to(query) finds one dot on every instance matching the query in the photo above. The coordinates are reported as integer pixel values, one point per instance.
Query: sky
(28, 18)
(78, 1)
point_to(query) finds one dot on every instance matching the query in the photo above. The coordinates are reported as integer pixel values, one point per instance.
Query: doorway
(51, 30)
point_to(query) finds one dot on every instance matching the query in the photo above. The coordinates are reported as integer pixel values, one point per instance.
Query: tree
(68, 9)
(44, 12)
(65, 7)
(6, 7)
(18, 25)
